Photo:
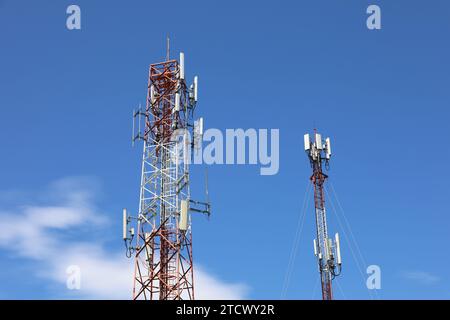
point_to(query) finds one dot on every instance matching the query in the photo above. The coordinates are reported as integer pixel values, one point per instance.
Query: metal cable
(340, 289)
(296, 241)
(351, 231)
(349, 242)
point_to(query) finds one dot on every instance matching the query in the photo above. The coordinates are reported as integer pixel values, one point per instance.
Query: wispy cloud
(421, 277)
(62, 231)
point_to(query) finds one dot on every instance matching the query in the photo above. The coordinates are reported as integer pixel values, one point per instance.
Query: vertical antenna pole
(132, 130)
(168, 48)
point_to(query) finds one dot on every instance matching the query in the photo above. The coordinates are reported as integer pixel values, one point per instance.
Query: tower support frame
(163, 259)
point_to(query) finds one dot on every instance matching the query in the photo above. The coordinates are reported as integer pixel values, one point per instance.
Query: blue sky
(66, 99)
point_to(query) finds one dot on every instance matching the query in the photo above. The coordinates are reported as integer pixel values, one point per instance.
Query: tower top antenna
(168, 48)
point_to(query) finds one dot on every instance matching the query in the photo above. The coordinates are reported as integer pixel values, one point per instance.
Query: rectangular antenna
(191, 91)
(307, 142)
(177, 101)
(181, 65)
(328, 146)
(326, 250)
(183, 223)
(125, 223)
(338, 249)
(330, 247)
(195, 88)
(152, 95)
(318, 141)
(132, 130)
(315, 247)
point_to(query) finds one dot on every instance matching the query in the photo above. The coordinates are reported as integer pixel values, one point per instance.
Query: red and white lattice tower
(326, 249)
(162, 249)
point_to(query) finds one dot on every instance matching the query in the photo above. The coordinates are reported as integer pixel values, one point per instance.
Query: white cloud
(50, 234)
(209, 287)
(421, 277)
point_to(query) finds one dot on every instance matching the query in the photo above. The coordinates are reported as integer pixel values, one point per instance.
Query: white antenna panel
(338, 249)
(328, 143)
(177, 101)
(200, 126)
(195, 88)
(319, 141)
(181, 65)
(191, 91)
(124, 234)
(183, 223)
(307, 142)
(152, 94)
(327, 250)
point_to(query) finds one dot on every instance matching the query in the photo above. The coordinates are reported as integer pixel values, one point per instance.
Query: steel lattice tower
(326, 250)
(163, 249)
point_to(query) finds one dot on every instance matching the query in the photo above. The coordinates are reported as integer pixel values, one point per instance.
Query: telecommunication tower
(326, 250)
(162, 242)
